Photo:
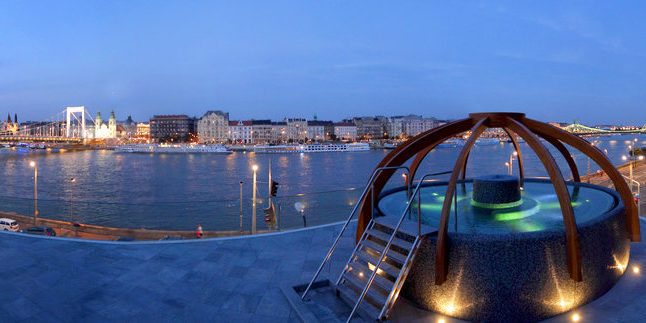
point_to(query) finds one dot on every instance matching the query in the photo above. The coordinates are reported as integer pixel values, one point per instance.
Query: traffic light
(270, 214)
(274, 188)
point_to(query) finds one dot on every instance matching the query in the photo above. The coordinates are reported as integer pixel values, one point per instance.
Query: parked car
(42, 230)
(9, 225)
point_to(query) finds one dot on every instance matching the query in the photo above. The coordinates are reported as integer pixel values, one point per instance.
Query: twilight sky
(557, 61)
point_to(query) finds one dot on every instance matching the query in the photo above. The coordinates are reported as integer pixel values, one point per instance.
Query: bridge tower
(71, 112)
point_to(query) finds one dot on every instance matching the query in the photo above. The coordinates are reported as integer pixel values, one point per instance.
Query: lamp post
(508, 168)
(253, 209)
(241, 206)
(35, 167)
(511, 158)
(630, 167)
(72, 181)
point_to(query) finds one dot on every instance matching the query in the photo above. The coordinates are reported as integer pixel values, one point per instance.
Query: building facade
(345, 131)
(318, 130)
(105, 130)
(296, 129)
(262, 131)
(213, 127)
(143, 131)
(371, 127)
(241, 132)
(172, 128)
(279, 132)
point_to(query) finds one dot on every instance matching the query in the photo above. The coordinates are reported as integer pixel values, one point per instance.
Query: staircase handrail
(347, 222)
(390, 241)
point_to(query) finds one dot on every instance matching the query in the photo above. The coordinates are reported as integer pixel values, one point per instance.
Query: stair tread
(376, 296)
(351, 298)
(408, 226)
(401, 258)
(386, 236)
(386, 267)
(381, 281)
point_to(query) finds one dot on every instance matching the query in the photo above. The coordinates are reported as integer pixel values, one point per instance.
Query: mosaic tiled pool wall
(521, 276)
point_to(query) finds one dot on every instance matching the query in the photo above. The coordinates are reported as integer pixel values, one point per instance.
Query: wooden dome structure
(530, 130)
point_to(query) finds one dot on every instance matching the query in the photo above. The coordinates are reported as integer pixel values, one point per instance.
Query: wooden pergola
(530, 130)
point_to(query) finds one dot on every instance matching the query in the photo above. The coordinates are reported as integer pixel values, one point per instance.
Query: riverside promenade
(224, 280)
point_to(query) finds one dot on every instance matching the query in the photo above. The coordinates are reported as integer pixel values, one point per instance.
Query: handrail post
(345, 226)
(419, 213)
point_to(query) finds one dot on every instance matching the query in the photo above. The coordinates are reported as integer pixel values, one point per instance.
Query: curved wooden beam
(514, 140)
(632, 218)
(414, 165)
(440, 247)
(400, 155)
(571, 236)
(464, 165)
(566, 154)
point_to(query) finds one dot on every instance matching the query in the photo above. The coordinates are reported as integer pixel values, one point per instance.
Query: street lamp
(508, 169)
(511, 158)
(35, 167)
(72, 181)
(630, 166)
(253, 209)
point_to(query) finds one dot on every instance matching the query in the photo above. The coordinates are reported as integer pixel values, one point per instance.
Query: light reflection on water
(178, 191)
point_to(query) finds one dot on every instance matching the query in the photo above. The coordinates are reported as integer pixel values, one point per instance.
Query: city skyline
(337, 60)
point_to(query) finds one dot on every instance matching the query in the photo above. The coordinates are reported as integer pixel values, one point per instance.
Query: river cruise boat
(313, 148)
(487, 142)
(173, 149)
(453, 143)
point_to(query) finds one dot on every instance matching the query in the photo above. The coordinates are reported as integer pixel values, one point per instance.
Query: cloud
(565, 56)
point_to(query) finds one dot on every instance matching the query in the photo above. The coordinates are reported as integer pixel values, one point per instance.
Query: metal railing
(416, 192)
(347, 222)
(639, 213)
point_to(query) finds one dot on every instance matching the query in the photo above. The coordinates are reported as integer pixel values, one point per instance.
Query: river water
(175, 191)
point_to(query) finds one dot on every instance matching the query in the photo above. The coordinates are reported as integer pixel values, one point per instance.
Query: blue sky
(554, 60)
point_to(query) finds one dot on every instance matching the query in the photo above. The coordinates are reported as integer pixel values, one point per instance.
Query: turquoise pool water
(539, 210)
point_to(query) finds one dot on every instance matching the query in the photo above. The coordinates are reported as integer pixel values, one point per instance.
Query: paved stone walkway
(223, 280)
(234, 280)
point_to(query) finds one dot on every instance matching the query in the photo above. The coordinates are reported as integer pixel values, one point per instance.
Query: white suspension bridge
(71, 125)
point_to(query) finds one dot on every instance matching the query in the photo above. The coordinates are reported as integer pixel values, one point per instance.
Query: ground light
(576, 317)
(636, 269)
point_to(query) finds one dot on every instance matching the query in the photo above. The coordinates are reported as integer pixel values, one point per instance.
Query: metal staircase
(376, 271)
(373, 295)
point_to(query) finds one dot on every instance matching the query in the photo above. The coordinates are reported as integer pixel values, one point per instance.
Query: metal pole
(240, 206)
(35, 193)
(631, 174)
(253, 209)
(72, 200)
(269, 186)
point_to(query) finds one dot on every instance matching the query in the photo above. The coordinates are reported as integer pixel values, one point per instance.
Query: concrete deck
(224, 280)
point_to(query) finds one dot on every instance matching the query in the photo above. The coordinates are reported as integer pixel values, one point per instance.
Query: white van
(9, 225)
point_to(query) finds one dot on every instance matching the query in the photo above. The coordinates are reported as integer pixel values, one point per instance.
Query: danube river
(174, 191)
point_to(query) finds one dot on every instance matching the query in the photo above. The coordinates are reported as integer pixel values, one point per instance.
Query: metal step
(386, 267)
(366, 308)
(363, 273)
(392, 254)
(383, 236)
(375, 296)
